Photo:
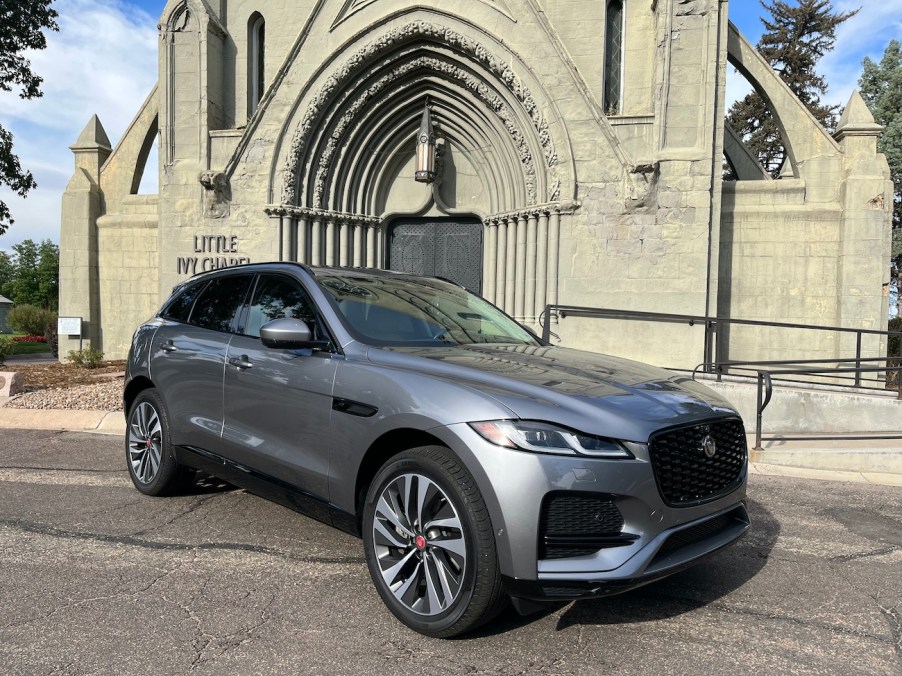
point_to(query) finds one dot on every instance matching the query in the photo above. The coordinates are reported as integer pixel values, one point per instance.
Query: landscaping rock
(11, 383)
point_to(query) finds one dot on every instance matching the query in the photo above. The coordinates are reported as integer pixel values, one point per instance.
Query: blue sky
(104, 59)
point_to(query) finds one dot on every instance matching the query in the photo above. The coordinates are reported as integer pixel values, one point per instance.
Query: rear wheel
(148, 450)
(429, 543)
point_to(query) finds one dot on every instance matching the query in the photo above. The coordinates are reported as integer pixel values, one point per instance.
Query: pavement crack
(894, 617)
(106, 597)
(195, 504)
(843, 558)
(51, 531)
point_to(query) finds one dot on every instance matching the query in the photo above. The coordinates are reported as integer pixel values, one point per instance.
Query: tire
(442, 579)
(148, 450)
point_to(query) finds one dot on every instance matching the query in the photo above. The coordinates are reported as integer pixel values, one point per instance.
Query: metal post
(760, 398)
(546, 328)
(766, 385)
(858, 359)
(710, 328)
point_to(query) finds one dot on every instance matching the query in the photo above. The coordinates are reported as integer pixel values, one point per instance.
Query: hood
(590, 392)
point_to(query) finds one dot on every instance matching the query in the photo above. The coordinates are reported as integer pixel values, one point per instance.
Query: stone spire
(92, 148)
(857, 120)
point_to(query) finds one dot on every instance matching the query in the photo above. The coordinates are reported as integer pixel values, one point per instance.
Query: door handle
(240, 362)
(167, 346)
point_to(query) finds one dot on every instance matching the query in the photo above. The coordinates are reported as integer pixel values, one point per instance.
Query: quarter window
(217, 307)
(179, 308)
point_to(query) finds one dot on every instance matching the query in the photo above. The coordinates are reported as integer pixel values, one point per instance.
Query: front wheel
(148, 450)
(429, 543)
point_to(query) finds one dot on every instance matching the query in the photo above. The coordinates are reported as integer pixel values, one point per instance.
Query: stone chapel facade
(579, 161)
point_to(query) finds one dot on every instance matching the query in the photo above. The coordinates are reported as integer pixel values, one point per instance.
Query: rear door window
(219, 303)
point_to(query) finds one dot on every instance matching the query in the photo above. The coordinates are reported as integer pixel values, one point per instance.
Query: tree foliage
(796, 36)
(31, 275)
(881, 88)
(22, 23)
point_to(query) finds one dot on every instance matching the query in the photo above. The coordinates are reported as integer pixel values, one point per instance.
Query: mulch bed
(56, 375)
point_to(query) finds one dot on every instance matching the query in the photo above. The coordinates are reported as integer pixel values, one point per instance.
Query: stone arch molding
(374, 99)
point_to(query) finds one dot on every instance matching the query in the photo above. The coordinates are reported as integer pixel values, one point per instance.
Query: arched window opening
(146, 179)
(255, 63)
(613, 58)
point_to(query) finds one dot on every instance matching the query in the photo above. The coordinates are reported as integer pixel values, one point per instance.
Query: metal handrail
(765, 376)
(765, 391)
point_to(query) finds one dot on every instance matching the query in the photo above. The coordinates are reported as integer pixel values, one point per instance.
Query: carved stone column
(501, 258)
(520, 288)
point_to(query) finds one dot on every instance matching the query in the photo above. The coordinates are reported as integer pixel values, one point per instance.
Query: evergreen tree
(881, 88)
(796, 36)
(21, 23)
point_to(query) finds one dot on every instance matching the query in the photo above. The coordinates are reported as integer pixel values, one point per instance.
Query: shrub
(29, 339)
(6, 348)
(88, 358)
(30, 319)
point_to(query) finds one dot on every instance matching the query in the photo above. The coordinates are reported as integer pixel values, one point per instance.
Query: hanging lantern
(425, 172)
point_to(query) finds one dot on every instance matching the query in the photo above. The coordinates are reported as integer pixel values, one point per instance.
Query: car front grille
(579, 524)
(686, 475)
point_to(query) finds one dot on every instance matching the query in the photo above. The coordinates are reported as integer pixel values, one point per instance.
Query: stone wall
(580, 207)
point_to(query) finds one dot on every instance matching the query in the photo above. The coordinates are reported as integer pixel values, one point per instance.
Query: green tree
(881, 88)
(796, 36)
(7, 269)
(34, 278)
(21, 26)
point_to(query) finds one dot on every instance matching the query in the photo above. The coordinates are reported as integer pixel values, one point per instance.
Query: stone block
(11, 383)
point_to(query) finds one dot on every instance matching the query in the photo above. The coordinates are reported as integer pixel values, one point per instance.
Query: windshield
(417, 311)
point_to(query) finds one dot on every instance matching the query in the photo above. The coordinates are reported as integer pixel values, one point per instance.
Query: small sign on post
(69, 326)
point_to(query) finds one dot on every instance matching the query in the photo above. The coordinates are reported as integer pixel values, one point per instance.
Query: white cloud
(104, 61)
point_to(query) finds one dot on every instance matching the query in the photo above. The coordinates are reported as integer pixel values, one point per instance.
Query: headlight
(545, 438)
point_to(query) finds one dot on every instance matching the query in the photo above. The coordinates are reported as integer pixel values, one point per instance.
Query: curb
(99, 422)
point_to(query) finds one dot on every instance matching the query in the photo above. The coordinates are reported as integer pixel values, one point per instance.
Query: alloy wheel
(419, 544)
(145, 442)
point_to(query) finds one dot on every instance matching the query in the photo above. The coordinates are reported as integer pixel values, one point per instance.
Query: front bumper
(664, 539)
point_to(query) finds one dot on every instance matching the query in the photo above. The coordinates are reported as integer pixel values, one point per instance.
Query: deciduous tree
(22, 23)
(31, 274)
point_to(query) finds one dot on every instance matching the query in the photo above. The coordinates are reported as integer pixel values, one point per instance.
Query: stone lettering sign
(217, 251)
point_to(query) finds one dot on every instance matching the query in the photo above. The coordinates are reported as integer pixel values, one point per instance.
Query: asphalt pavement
(97, 578)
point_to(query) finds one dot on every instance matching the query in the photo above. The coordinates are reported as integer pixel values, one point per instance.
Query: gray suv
(477, 463)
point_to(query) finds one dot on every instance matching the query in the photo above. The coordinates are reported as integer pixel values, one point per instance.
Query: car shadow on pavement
(207, 483)
(696, 587)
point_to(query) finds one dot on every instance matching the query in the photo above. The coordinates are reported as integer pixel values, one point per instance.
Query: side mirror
(289, 334)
